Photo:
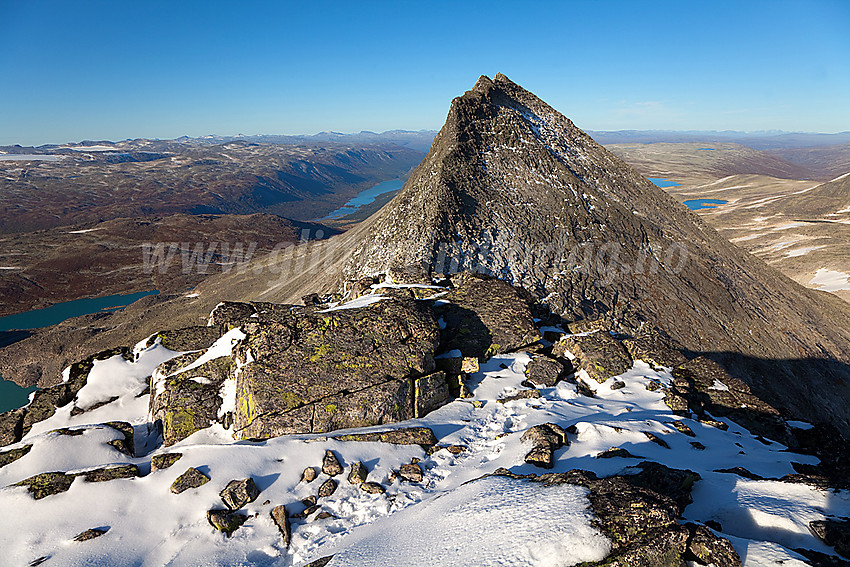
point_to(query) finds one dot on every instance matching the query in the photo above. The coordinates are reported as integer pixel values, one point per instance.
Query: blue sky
(74, 70)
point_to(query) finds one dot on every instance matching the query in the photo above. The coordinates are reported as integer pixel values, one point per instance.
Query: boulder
(164, 460)
(281, 520)
(313, 372)
(105, 474)
(91, 534)
(545, 372)
(192, 478)
(834, 533)
(330, 464)
(47, 484)
(309, 474)
(358, 473)
(411, 472)
(372, 488)
(186, 401)
(599, 354)
(328, 487)
(237, 493)
(226, 521)
(485, 316)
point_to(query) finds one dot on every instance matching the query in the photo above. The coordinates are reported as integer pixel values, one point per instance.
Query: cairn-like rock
(545, 439)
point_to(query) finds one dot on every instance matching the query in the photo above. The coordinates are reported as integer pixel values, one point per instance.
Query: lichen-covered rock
(13, 455)
(372, 488)
(309, 474)
(616, 452)
(328, 487)
(105, 474)
(164, 460)
(330, 464)
(192, 478)
(126, 444)
(237, 493)
(599, 354)
(653, 348)
(486, 316)
(188, 338)
(91, 534)
(317, 372)
(230, 314)
(710, 549)
(11, 426)
(544, 371)
(422, 436)
(281, 520)
(226, 521)
(358, 473)
(411, 472)
(184, 402)
(47, 484)
(430, 392)
(531, 394)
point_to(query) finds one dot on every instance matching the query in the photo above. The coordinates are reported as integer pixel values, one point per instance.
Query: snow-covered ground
(445, 519)
(831, 280)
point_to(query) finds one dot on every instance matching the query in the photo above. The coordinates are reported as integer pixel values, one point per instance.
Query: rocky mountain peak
(512, 188)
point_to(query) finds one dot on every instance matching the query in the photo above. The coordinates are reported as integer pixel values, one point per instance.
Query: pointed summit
(514, 189)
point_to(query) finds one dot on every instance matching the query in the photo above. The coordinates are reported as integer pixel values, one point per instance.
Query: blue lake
(61, 311)
(706, 149)
(13, 396)
(697, 204)
(661, 182)
(365, 197)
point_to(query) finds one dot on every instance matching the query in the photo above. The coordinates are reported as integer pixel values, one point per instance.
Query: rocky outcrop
(598, 354)
(319, 371)
(638, 513)
(17, 423)
(485, 316)
(186, 401)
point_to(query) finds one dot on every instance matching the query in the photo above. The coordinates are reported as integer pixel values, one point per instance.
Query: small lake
(697, 204)
(59, 312)
(661, 182)
(13, 396)
(365, 197)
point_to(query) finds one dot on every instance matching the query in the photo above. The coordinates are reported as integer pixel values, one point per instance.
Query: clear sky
(79, 69)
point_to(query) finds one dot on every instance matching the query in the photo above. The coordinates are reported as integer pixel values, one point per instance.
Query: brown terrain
(74, 218)
(795, 217)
